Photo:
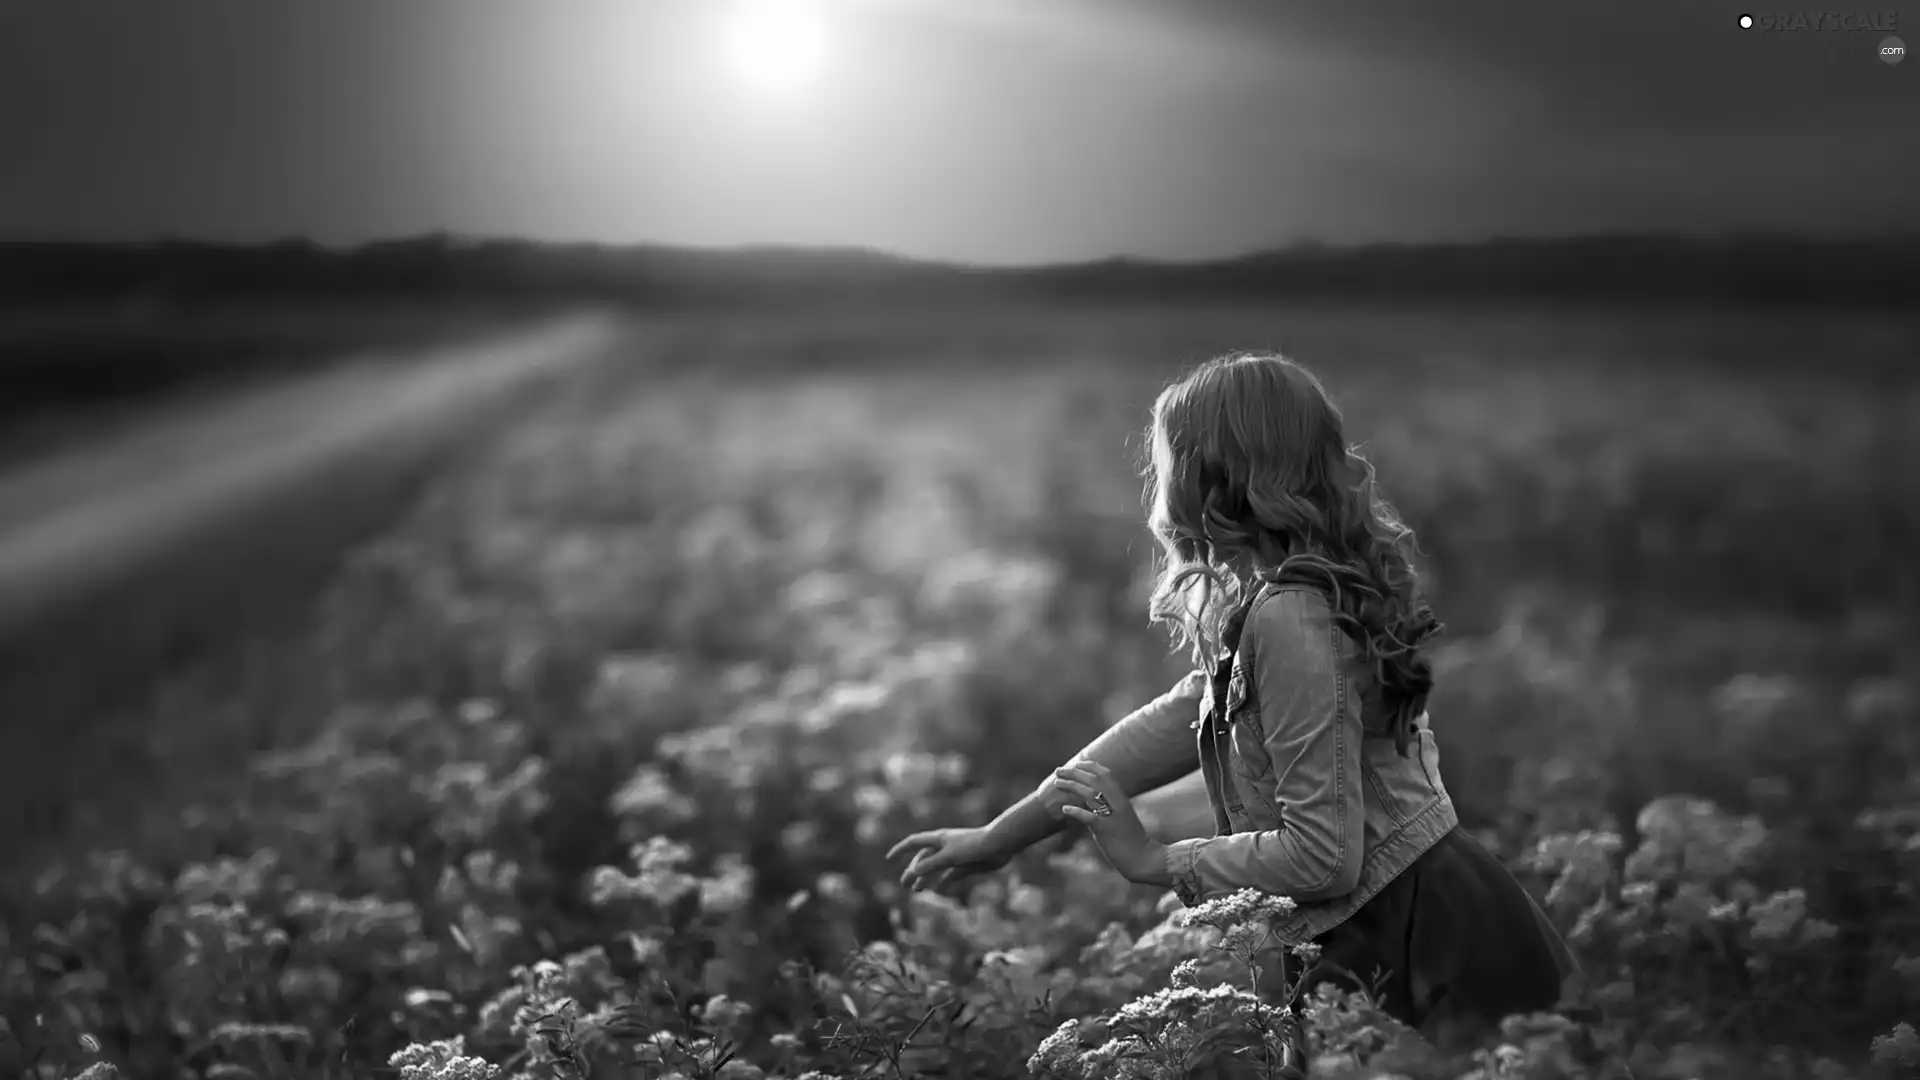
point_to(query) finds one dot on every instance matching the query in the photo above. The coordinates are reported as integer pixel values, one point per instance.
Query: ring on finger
(1101, 806)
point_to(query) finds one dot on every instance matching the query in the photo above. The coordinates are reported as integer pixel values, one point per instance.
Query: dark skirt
(1451, 946)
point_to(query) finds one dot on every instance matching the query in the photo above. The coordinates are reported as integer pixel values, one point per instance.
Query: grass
(765, 595)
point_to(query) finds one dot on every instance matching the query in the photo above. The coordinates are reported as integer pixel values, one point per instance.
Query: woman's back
(1300, 709)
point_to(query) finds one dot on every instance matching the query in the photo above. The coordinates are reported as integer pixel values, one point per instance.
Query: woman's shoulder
(1289, 614)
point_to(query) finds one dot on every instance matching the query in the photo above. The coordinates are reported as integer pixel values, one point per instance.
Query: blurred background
(604, 373)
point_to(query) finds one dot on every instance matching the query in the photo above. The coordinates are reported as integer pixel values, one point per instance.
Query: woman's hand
(945, 859)
(1109, 815)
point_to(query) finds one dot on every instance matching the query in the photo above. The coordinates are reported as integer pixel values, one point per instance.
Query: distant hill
(1738, 270)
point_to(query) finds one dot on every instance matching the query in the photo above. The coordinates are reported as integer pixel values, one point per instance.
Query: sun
(777, 45)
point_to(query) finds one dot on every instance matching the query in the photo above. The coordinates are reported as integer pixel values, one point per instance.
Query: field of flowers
(619, 723)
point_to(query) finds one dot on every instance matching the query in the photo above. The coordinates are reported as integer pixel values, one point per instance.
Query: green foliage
(632, 709)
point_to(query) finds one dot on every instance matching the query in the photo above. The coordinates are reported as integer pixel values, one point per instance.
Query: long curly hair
(1251, 479)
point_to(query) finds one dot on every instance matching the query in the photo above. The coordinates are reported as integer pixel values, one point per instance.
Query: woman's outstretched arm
(1149, 748)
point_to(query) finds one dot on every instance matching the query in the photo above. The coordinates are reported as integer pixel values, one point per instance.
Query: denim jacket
(1311, 798)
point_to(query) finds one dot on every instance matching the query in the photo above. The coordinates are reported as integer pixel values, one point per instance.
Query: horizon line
(876, 254)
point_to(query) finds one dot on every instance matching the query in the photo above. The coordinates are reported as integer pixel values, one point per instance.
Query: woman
(1292, 585)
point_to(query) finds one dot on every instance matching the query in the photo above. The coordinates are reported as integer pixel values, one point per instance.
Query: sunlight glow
(777, 45)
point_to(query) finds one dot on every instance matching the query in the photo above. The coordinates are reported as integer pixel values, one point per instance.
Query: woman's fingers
(1093, 784)
(1087, 775)
(914, 842)
(1102, 779)
(924, 863)
(1084, 791)
(1081, 814)
(928, 861)
(945, 880)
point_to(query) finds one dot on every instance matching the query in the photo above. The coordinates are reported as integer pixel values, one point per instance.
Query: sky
(989, 131)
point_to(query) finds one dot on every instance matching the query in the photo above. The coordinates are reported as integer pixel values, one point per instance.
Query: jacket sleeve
(1155, 744)
(1313, 739)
